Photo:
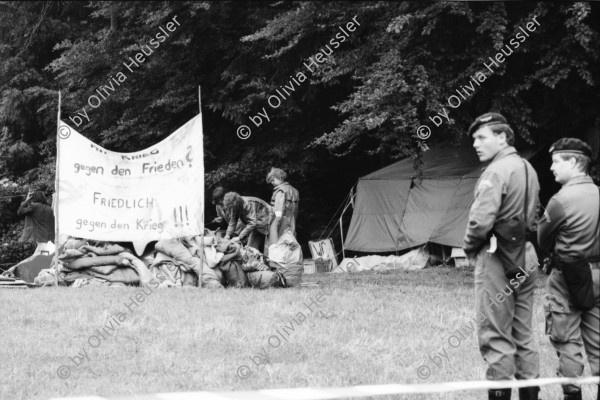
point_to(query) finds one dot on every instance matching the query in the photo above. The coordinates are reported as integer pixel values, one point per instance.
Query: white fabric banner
(152, 194)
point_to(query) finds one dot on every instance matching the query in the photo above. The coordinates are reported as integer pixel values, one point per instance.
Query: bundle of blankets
(89, 263)
(244, 266)
(176, 263)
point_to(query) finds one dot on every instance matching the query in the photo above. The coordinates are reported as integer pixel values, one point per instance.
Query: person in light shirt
(284, 201)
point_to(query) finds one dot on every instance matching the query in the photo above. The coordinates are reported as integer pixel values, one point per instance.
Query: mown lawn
(364, 328)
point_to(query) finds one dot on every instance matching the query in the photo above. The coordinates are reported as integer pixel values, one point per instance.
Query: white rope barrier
(352, 391)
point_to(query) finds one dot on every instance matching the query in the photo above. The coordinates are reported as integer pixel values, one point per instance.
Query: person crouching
(257, 216)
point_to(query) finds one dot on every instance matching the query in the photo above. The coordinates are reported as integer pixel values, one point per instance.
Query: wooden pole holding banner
(342, 235)
(56, 195)
(202, 210)
(199, 101)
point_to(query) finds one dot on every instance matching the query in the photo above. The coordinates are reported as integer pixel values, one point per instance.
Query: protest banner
(153, 194)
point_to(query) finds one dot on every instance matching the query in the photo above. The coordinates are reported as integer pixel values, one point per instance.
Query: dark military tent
(396, 209)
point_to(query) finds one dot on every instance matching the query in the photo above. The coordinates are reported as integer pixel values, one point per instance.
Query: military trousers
(572, 330)
(505, 315)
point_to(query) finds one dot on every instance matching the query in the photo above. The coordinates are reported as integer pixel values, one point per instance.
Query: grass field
(348, 329)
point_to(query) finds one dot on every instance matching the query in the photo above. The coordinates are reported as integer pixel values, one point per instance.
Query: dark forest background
(357, 113)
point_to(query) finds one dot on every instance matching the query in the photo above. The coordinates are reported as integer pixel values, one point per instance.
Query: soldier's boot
(499, 394)
(529, 393)
(573, 396)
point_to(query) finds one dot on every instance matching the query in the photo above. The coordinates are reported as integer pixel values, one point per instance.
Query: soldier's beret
(487, 119)
(571, 145)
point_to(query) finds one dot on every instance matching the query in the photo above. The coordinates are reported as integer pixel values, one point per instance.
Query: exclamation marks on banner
(179, 217)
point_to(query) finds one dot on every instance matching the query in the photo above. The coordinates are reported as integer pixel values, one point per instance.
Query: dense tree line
(356, 110)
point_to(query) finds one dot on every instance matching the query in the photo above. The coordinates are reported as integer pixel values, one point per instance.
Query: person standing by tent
(505, 208)
(569, 229)
(285, 204)
(39, 220)
(253, 212)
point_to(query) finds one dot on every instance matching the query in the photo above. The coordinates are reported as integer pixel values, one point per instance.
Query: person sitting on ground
(39, 220)
(255, 213)
(284, 201)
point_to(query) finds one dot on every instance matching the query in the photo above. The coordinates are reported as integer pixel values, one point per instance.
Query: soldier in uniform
(569, 229)
(504, 210)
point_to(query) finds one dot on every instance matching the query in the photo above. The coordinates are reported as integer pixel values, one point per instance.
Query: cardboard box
(317, 266)
(460, 258)
(323, 265)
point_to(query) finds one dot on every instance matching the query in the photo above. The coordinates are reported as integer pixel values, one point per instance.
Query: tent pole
(56, 194)
(350, 202)
(342, 235)
(344, 203)
(199, 101)
(202, 211)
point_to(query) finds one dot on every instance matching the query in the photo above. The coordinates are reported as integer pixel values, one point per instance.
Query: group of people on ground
(252, 220)
(503, 214)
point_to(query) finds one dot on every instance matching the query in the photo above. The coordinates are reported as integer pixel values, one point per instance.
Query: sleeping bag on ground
(231, 264)
(253, 260)
(286, 257)
(212, 278)
(265, 279)
(234, 274)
